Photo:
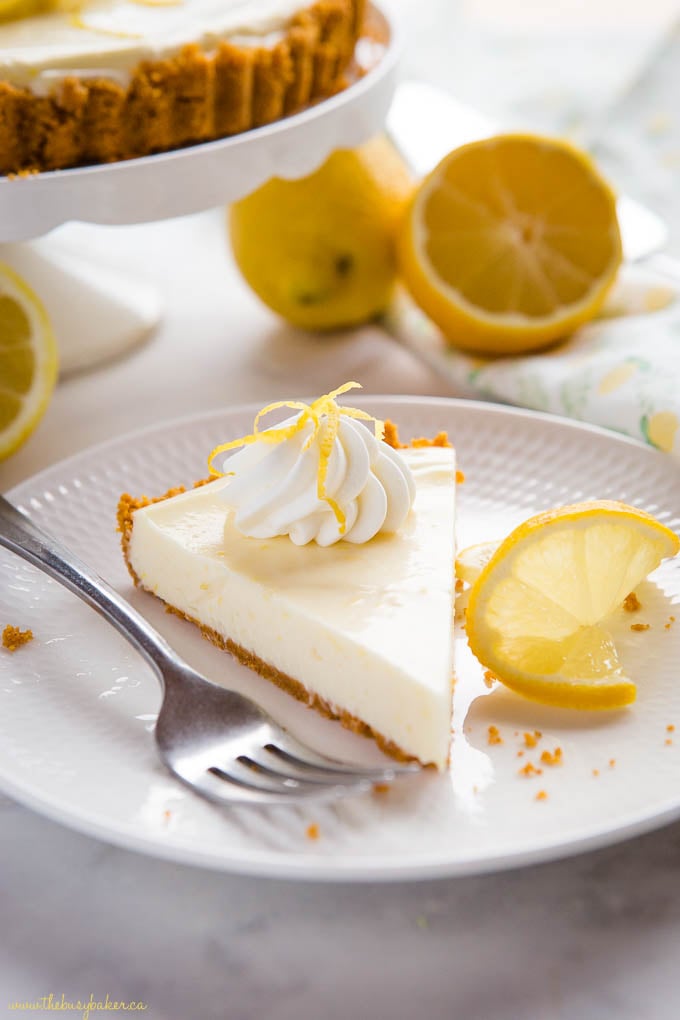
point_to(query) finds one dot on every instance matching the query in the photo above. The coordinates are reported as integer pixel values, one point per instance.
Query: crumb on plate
(632, 603)
(15, 637)
(312, 831)
(530, 770)
(494, 735)
(552, 757)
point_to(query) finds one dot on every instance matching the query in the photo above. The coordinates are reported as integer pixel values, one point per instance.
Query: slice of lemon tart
(85, 81)
(321, 556)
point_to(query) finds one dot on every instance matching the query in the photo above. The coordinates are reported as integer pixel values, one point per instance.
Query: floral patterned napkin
(621, 371)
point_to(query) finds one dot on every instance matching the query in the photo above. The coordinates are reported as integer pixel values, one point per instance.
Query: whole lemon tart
(113, 79)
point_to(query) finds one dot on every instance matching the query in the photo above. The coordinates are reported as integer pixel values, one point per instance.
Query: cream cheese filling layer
(368, 628)
(111, 37)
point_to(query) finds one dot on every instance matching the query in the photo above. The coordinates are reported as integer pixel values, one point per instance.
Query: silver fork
(214, 740)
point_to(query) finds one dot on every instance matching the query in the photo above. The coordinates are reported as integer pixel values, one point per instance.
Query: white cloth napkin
(621, 371)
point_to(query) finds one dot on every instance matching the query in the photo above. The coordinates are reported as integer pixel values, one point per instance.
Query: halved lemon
(511, 243)
(28, 360)
(536, 612)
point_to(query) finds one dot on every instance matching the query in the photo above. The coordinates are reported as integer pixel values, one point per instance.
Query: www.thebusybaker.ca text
(83, 1006)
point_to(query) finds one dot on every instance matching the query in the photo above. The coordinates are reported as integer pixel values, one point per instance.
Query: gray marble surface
(596, 937)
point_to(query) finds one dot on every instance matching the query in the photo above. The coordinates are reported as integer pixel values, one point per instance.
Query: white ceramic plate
(77, 705)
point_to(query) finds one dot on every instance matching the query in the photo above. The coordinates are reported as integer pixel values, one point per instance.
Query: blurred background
(604, 73)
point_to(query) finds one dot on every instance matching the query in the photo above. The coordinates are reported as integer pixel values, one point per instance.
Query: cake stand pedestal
(98, 314)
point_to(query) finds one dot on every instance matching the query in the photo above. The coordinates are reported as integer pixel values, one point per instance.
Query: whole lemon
(320, 250)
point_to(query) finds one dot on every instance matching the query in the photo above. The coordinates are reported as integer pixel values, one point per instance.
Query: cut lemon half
(536, 611)
(28, 360)
(511, 243)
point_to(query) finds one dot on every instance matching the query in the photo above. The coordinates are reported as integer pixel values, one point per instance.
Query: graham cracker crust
(193, 97)
(125, 521)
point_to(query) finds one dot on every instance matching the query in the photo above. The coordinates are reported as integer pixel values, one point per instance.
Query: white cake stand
(97, 314)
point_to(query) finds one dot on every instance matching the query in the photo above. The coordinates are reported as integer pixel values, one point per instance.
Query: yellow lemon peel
(326, 414)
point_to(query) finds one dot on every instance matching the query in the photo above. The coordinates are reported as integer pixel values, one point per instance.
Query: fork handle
(20, 535)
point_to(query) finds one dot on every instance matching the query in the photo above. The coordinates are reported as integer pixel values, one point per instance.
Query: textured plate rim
(341, 868)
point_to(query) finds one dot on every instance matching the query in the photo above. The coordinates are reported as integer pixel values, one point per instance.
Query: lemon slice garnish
(537, 611)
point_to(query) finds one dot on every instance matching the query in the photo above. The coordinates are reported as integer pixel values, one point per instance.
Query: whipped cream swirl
(328, 479)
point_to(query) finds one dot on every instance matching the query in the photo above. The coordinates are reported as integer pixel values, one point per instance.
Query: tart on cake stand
(98, 314)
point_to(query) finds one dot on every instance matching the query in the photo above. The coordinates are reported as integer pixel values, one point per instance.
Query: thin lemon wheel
(511, 243)
(537, 612)
(28, 361)
(471, 561)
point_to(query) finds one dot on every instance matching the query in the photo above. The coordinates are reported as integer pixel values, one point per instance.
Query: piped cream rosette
(320, 476)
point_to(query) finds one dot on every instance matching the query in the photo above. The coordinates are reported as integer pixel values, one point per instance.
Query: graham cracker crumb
(14, 637)
(612, 763)
(381, 788)
(531, 739)
(552, 758)
(460, 584)
(312, 831)
(489, 678)
(670, 728)
(668, 741)
(541, 795)
(494, 736)
(632, 603)
(530, 770)
(391, 437)
(596, 772)
(441, 439)
(460, 477)
(23, 174)
(639, 626)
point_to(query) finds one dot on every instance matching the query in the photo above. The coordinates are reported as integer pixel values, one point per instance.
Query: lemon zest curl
(326, 414)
